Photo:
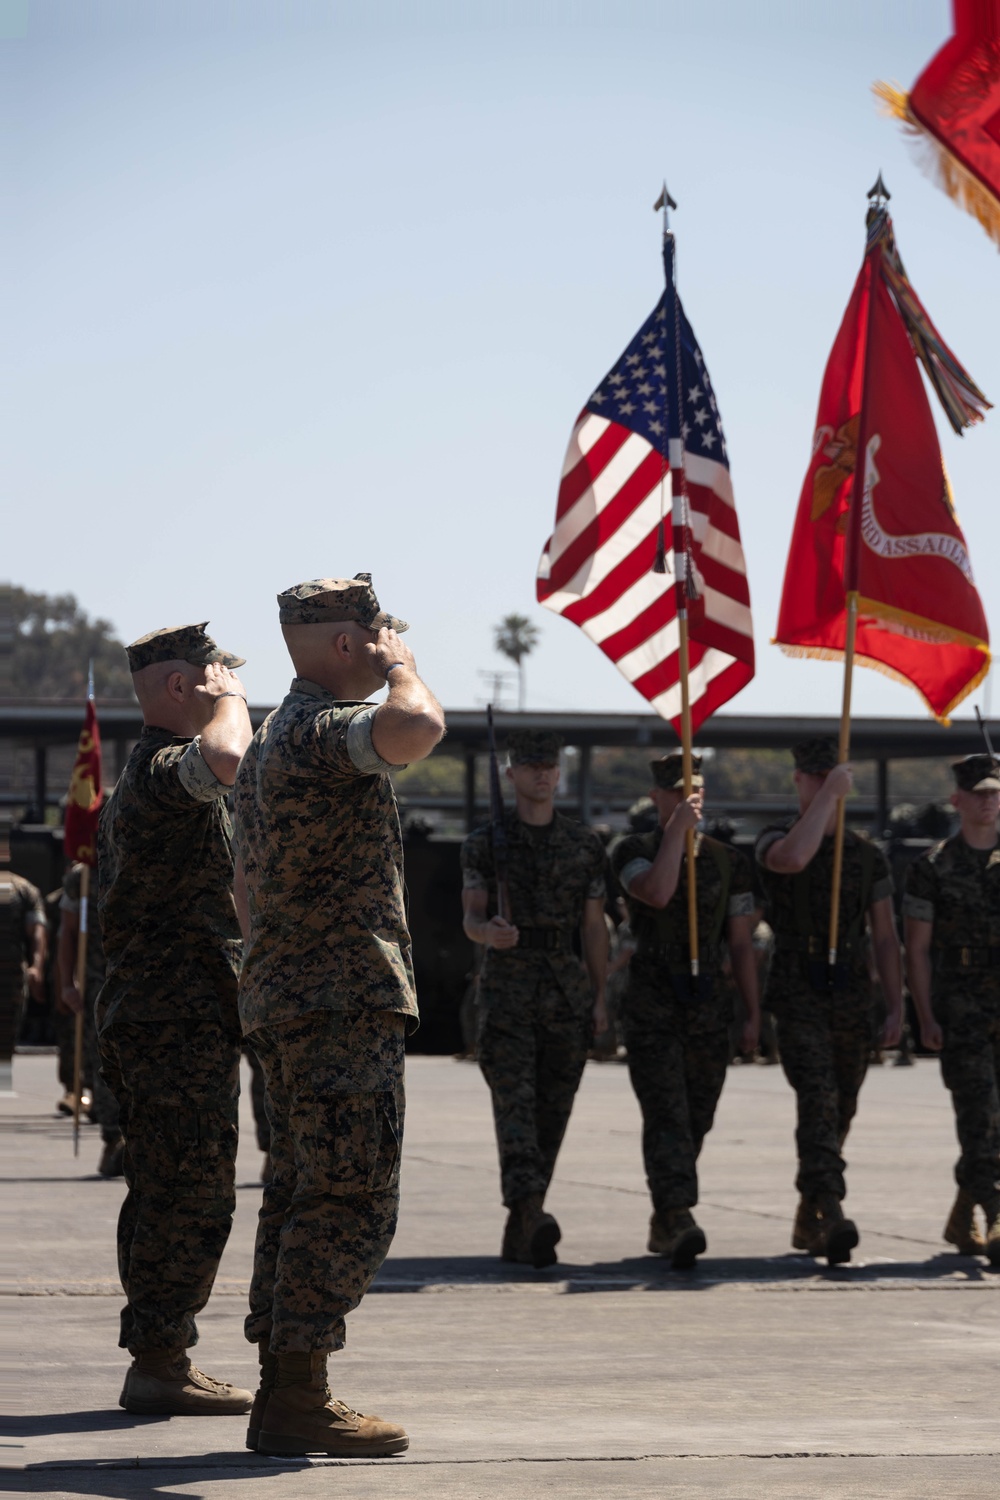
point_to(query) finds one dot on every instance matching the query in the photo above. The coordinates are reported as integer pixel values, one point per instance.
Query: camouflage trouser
(825, 1048)
(65, 1028)
(534, 1032)
(177, 1084)
(677, 1059)
(970, 1066)
(335, 1103)
(105, 1106)
(258, 1097)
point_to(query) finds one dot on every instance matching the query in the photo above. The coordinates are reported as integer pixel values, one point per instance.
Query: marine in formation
(951, 909)
(538, 1003)
(676, 1026)
(827, 1025)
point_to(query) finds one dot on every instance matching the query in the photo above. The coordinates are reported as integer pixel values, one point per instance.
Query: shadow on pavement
(122, 1481)
(402, 1274)
(45, 1424)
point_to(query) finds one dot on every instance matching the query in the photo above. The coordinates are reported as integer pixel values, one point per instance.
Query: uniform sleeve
(180, 775)
(32, 904)
(628, 859)
(741, 898)
(477, 862)
(343, 743)
(918, 891)
(769, 837)
(882, 885)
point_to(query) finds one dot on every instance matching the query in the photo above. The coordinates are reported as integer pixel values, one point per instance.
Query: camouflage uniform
(326, 995)
(105, 1106)
(535, 1000)
(957, 888)
(167, 1021)
(825, 1036)
(22, 908)
(678, 1041)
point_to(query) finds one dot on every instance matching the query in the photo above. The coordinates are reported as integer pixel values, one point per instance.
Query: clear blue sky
(300, 289)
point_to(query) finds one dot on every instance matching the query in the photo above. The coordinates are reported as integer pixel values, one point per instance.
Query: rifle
(498, 828)
(985, 732)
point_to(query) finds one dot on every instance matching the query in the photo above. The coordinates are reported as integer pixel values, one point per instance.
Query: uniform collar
(304, 687)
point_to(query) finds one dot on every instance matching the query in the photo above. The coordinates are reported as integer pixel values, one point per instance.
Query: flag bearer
(826, 1022)
(676, 1028)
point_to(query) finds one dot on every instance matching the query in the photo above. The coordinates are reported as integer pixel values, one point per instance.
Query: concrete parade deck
(759, 1373)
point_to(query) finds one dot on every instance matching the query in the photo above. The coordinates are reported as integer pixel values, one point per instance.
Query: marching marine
(676, 1027)
(538, 1004)
(951, 909)
(826, 1021)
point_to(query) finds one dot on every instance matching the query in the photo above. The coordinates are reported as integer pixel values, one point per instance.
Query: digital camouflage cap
(815, 756)
(324, 601)
(189, 643)
(533, 746)
(668, 772)
(977, 773)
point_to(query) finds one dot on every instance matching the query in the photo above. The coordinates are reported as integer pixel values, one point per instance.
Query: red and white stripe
(596, 568)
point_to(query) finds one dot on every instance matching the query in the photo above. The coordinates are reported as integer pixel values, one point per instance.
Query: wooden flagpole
(877, 198)
(692, 883)
(81, 989)
(683, 658)
(843, 754)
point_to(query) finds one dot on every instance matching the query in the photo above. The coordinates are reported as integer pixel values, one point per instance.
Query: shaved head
(311, 646)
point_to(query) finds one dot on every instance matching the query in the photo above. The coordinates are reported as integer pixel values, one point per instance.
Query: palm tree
(514, 638)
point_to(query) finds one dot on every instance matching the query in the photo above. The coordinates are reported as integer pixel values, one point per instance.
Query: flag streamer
(952, 113)
(876, 518)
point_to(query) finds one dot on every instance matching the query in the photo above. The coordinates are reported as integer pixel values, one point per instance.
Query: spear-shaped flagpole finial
(878, 193)
(90, 678)
(665, 202)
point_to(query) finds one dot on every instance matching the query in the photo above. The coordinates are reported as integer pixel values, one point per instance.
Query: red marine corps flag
(953, 112)
(880, 532)
(83, 806)
(878, 565)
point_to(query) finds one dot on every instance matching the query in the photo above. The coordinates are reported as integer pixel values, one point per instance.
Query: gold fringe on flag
(830, 653)
(938, 163)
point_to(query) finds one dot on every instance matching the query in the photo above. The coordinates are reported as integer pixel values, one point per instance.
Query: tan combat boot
(676, 1236)
(164, 1383)
(302, 1417)
(961, 1230)
(833, 1236)
(991, 1208)
(804, 1228)
(530, 1235)
(268, 1375)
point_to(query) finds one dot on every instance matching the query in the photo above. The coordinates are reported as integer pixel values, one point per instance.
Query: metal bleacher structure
(39, 725)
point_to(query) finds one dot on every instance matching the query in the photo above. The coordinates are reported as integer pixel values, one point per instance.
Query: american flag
(637, 453)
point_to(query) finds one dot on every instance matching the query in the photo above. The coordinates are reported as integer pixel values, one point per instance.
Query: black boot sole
(691, 1244)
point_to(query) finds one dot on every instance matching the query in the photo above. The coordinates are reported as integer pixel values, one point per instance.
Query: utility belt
(970, 958)
(820, 975)
(543, 940)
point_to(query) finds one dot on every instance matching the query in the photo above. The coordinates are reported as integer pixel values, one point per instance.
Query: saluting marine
(167, 1023)
(676, 1027)
(951, 908)
(826, 1022)
(327, 995)
(538, 1004)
